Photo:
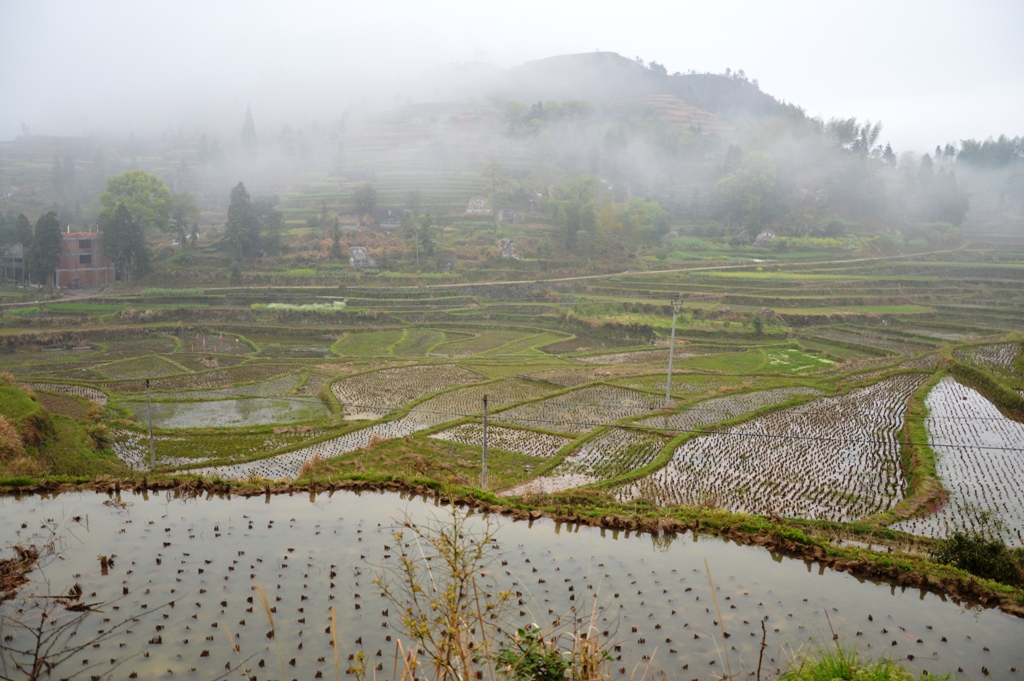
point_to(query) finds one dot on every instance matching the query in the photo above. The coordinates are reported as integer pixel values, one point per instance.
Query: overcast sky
(932, 71)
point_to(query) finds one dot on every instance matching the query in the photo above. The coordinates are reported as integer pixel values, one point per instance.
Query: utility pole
(483, 468)
(149, 415)
(676, 303)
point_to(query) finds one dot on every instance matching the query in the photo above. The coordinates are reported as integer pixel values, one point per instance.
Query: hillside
(634, 153)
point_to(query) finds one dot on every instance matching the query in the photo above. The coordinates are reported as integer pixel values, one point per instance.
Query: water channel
(652, 593)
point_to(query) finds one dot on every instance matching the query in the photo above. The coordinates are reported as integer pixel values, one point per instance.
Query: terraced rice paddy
(637, 357)
(230, 413)
(143, 367)
(514, 440)
(375, 394)
(582, 410)
(219, 378)
(483, 341)
(719, 409)
(191, 448)
(979, 461)
(997, 358)
(85, 392)
(280, 385)
(882, 343)
(765, 466)
(313, 553)
(610, 454)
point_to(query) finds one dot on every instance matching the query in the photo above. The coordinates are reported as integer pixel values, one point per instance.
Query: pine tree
(123, 242)
(242, 226)
(43, 254)
(249, 141)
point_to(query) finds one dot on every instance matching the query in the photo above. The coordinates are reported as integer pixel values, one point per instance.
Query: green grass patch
(367, 343)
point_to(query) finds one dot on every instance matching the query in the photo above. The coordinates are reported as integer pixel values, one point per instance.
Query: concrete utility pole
(676, 303)
(483, 468)
(149, 415)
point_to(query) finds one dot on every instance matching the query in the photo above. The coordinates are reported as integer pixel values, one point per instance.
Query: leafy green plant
(980, 550)
(845, 664)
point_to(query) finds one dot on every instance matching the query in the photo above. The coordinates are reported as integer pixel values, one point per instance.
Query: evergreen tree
(249, 141)
(22, 231)
(43, 254)
(242, 225)
(335, 231)
(124, 242)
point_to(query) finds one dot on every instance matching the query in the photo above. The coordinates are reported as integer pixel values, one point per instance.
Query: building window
(84, 244)
(85, 259)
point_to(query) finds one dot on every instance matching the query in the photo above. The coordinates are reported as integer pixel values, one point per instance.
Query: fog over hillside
(933, 72)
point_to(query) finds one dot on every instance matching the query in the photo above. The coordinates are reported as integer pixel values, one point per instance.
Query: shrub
(980, 550)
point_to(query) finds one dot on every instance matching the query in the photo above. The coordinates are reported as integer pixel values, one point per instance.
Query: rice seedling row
(467, 401)
(280, 385)
(418, 342)
(183, 450)
(637, 357)
(230, 413)
(143, 367)
(212, 342)
(887, 344)
(997, 358)
(85, 392)
(720, 409)
(222, 378)
(509, 439)
(960, 423)
(572, 377)
(486, 339)
(366, 343)
(289, 465)
(611, 454)
(375, 394)
(926, 363)
(582, 410)
(313, 385)
(836, 458)
(584, 344)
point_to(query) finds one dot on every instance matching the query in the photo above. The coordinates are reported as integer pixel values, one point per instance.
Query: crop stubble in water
(213, 550)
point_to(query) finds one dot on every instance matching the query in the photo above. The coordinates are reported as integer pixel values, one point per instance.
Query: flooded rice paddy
(978, 459)
(202, 557)
(231, 413)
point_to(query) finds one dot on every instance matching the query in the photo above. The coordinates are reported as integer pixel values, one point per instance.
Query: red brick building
(82, 263)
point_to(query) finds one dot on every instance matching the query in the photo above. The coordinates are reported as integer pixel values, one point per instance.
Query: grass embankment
(34, 443)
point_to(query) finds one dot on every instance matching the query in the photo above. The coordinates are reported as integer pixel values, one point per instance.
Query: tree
(249, 140)
(364, 200)
(22, 231)
(242, 225)
(758, 322)
(43, 253)
(184, 214)
(576, 210)
(743, 194)
(124, 242)
(144, 196)
(335, 233)
(497, 182)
